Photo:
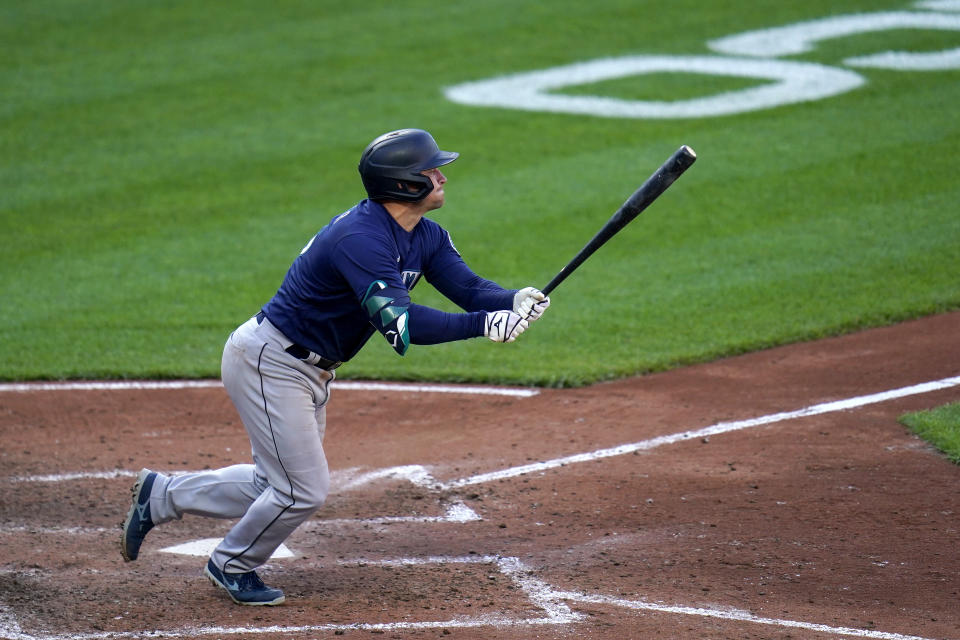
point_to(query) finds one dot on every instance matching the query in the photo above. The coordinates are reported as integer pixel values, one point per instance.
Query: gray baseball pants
(281, 401)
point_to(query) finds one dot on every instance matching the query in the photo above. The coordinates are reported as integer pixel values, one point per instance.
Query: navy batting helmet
(390, 165)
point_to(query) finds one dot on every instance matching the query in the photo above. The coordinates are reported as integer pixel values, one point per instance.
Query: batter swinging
(352, 279)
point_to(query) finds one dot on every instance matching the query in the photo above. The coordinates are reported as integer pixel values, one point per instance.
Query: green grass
(654, 86)
(162, 163)
(940, 427)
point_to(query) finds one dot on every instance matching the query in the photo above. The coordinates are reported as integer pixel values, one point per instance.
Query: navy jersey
(320, 304)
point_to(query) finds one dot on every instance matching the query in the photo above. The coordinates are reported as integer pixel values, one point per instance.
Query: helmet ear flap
(418, 189)
(404, 189)
(390, 167)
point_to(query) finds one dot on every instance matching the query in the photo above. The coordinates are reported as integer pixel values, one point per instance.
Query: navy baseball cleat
(244, 588)
(138, 521)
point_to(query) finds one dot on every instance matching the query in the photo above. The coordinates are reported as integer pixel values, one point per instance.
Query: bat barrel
(650, 190)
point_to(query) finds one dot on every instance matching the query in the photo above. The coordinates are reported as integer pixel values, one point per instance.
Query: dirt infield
(736, 499)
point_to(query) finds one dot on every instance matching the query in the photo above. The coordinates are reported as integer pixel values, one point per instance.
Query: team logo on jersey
(410, 278)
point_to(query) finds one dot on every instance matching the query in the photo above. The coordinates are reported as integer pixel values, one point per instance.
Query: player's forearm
(479, 295)
(467, 290)
(432, 326)
(490, 299)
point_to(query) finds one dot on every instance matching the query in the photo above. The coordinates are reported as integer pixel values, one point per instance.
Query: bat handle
(557, 279)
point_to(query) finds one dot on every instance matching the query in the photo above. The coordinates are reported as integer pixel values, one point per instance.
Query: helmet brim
(439, 159)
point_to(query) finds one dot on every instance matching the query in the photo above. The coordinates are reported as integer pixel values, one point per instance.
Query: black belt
(302, 353)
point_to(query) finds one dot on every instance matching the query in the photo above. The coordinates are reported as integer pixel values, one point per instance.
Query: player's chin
(435, 199)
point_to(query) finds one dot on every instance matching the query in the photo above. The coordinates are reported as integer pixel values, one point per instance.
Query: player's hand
(530, 303)
(504, 326)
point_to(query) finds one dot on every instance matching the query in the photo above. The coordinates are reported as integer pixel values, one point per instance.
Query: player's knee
(312, 501)
(313, 491)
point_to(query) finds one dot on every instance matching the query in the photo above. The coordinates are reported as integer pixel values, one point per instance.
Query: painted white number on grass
(800, 38)
(792, 81)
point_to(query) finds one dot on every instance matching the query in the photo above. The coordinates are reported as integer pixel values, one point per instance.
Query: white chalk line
(348, 479)
(538, 591)
(456, 513)
(343, 480)
(9, 627)
(75, 475)
(419, 475)
(68, 531)
(712, 430)
(728, 614)
(135, 385)
(554, 611)
(551, 602)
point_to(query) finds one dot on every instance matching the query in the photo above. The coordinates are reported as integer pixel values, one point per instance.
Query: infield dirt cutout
(447, 518)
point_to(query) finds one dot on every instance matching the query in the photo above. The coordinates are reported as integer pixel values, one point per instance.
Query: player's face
(434, 199)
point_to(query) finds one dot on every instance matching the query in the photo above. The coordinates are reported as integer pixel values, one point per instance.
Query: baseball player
(353, 279)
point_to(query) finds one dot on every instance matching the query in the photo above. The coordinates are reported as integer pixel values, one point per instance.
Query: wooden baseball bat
(649, 191)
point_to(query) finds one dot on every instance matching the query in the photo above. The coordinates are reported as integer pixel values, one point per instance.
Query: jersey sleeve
(369, 265)
(432, 326)
(450, 275)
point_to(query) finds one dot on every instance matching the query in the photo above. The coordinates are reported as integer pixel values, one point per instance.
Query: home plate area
(475, 594)
(773, 495)
(469, 591)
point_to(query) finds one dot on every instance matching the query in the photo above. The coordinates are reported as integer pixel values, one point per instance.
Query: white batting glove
(504, 326)
(530, 303)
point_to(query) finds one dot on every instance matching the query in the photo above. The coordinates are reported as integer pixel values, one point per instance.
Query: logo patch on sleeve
(410, 279)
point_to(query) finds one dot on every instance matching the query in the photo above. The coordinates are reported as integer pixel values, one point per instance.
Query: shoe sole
(135, 492)
(217, 583)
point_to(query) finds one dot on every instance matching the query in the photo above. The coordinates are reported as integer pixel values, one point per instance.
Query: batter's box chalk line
(147, 385)
(419, 475)
(705, 432)
(553, 604)
(456, 513)
(454, 510)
